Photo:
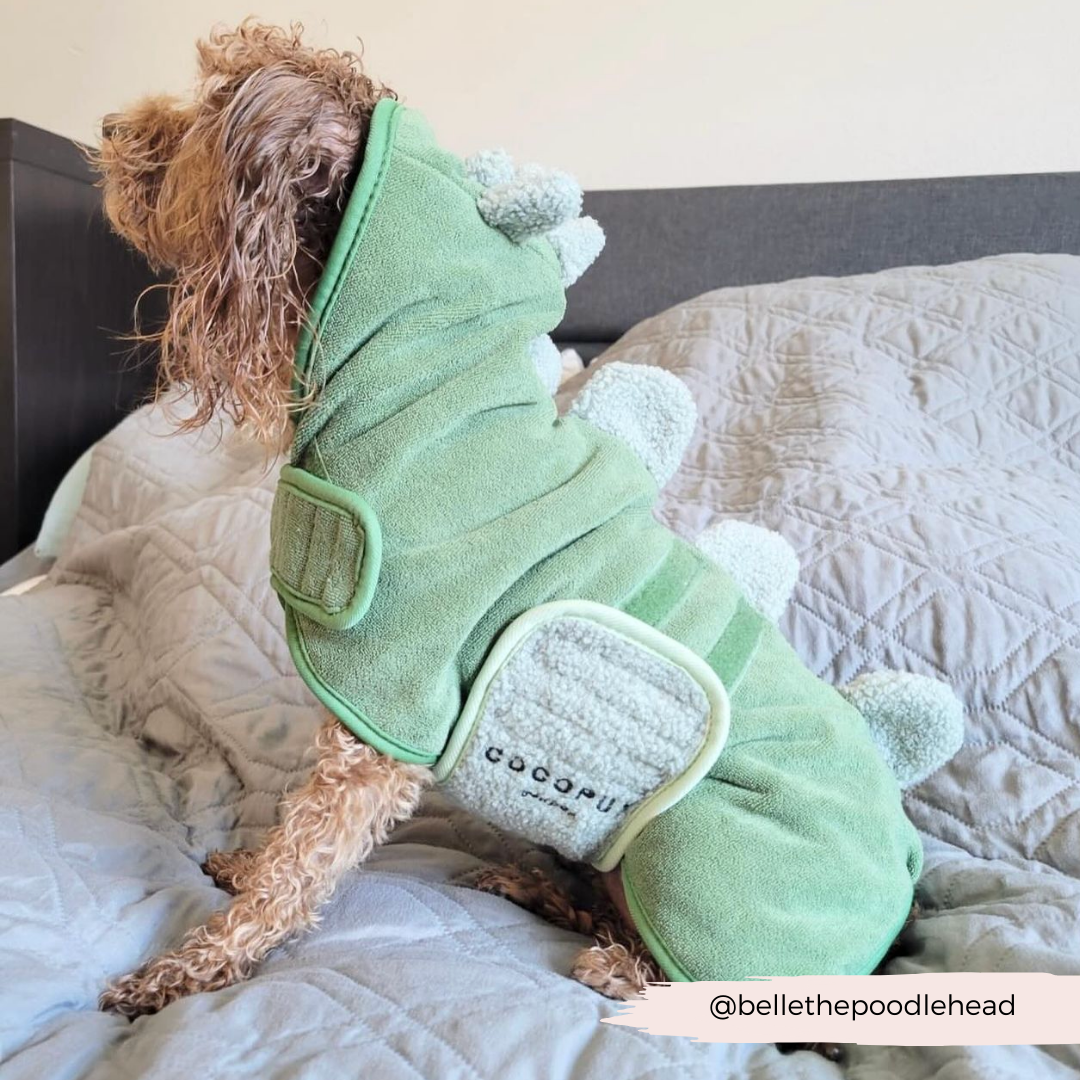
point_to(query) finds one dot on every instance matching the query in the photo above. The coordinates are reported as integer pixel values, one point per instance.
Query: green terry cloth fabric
(429, 407)
(428, 413)
(796, 837)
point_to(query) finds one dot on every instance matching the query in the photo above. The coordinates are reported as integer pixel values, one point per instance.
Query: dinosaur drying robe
(473, 583)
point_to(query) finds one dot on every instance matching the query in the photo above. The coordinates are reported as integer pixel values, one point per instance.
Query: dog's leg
(617, 966)
(534, 891)
(348, 806)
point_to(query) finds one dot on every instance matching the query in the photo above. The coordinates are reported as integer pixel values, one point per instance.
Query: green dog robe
(473, 583)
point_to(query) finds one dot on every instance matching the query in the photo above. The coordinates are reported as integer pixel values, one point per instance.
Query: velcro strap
(584, 724)
(325, 549)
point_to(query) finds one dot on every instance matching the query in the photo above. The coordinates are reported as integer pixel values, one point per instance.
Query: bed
(906, 411)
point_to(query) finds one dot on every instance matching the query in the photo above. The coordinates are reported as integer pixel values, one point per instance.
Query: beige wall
(627, 93)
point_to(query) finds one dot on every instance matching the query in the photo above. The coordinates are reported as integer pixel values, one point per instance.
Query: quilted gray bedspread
(916, 436)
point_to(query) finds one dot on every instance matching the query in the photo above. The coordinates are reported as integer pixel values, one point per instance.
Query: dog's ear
(252, 202)
(136, 149)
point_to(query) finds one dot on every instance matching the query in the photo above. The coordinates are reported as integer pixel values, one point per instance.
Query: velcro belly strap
(583, 724)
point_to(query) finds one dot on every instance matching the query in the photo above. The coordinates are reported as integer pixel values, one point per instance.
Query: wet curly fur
(239, 192)
(348, 806)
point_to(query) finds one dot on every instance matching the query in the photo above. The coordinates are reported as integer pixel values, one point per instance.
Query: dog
(239, 194)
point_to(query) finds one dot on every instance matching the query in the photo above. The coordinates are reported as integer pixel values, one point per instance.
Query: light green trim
(637, 633)
(352, 718)
(668, 964)
(351, 508)
(350, 233)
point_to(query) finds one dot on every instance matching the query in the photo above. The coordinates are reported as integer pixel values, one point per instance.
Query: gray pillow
(915, 434)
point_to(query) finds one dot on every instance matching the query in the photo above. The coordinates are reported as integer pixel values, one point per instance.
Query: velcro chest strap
(325, 549)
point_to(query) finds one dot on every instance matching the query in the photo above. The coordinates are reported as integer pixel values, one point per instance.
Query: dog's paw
(614, 971)
(508, 881)
(194, 968)
(229, 869)
(490, 880)
(141, 993)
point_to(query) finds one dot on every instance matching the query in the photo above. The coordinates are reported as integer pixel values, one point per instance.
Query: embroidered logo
(572, 789)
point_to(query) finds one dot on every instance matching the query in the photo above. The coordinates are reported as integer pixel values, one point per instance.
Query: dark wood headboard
(67, 292)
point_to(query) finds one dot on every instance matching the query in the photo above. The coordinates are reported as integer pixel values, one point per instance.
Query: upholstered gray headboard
(68, 287)
(669, 245)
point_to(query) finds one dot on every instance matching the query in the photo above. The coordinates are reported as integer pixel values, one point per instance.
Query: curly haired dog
(239, 193)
